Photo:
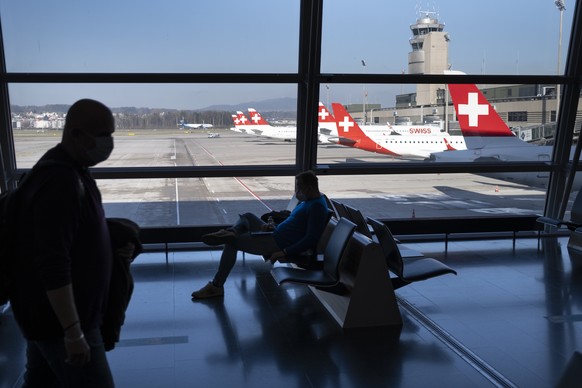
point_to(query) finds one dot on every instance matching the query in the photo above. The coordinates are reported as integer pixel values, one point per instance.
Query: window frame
(308, 80)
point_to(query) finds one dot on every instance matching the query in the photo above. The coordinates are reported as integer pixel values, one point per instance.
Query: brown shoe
(223, 236)
(208, 291)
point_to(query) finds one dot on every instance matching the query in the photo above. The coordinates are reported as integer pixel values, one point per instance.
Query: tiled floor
(508, 319)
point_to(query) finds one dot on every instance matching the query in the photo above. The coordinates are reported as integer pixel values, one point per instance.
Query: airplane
(327, 125)
(257, 125)
(399, 145)
(183, 125)
(241, 123)
(236, 122)
(325, 121)
(489, 139)
(261, 127)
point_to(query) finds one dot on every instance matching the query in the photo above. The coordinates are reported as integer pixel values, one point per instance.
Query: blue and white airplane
(184, 125)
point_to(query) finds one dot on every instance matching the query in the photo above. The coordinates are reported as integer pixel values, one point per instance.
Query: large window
(174, 133)
(131, 36)
(477, 37)
(187, 82)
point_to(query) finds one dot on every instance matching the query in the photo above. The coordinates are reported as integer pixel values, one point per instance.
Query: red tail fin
(256, 118)
(324, 116)
(349, 130)
(476, 116)
(242, 118)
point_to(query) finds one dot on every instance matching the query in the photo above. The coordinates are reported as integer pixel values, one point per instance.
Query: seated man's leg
(263, 244)
(235, 238)
(258, 245)
(246, 222)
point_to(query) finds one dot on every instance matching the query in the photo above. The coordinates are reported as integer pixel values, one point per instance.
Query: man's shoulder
(320, 201)
(54, 175)
(317, 204)
(49, 170)
(56, 162)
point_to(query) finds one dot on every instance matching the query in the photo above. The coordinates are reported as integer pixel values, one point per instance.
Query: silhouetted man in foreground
(64, 263)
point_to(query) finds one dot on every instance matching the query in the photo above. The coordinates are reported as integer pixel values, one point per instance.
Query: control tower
(429, 55)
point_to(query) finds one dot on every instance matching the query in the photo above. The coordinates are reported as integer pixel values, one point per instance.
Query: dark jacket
(62, 239)
(122, 231)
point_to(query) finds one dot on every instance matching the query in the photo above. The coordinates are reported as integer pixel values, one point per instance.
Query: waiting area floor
(510, 318)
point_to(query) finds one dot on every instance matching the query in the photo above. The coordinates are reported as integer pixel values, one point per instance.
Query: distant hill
(57, 108)
(287, 104)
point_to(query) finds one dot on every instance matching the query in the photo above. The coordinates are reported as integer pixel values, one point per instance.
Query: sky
(487, 37)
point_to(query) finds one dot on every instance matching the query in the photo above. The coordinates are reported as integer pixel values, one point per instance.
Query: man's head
(89, 127)
(306, 186)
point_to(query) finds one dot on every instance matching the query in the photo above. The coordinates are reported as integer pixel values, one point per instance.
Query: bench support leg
(167, 254)
(371, 301)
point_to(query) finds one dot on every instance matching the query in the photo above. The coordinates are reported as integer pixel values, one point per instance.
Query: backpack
(122, 231)
(9, 205)
(8, 218)
(6, 237)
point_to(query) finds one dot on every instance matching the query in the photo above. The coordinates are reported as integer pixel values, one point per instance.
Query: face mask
(299, 195)
(101, 151)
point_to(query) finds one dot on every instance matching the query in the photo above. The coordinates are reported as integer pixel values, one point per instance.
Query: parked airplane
(328, 124)
(236, 122)
(406, 146)
(183, 125)
(326, 121)
(241, 123)
(261, 127)
(489, 139)
(257, 125)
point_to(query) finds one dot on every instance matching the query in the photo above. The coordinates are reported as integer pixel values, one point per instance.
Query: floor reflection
(519, 311)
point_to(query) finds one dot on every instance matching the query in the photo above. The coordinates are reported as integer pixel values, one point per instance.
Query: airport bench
(364, 228)
(329, 274)
(362, 295)
(409, 270)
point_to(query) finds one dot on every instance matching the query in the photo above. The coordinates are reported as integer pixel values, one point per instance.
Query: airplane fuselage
(409, 146)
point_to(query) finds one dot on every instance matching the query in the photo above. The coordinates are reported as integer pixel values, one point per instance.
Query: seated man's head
(306, 186)
(87, 136)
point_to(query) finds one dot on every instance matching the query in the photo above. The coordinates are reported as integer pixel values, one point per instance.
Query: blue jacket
(304, 226)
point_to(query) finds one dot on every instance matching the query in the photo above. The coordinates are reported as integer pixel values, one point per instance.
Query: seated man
(298, 233)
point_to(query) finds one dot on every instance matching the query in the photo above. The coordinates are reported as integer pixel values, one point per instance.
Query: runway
(203, 201)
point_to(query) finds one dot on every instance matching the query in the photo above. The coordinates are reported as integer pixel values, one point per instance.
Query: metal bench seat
(406, 271)
(329, 275)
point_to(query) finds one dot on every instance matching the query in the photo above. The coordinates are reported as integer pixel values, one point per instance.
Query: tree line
(170, 119)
